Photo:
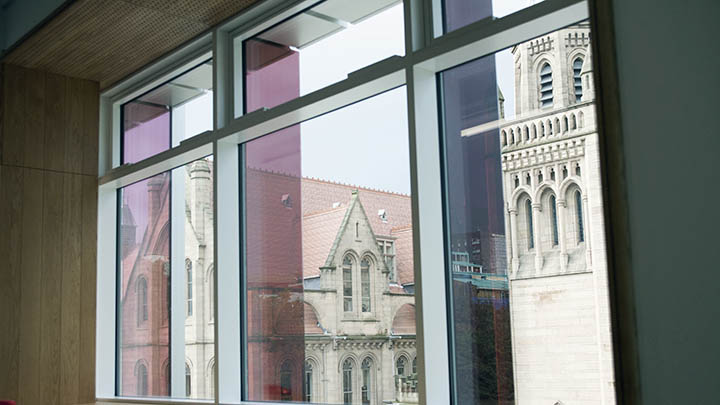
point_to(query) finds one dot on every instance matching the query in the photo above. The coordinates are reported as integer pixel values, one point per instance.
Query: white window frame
(426, 54)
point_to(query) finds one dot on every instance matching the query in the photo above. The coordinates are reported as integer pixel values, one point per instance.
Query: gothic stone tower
(554, 217)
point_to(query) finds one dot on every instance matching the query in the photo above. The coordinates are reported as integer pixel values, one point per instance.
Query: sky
(364, 144)
(367, 143)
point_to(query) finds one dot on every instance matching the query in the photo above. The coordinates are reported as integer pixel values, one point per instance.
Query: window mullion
(428, 243)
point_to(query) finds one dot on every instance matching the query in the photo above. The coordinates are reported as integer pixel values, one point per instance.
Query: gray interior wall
(669, 78)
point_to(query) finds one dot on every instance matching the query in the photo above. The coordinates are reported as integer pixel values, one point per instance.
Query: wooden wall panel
(11, 224)
(31, 292)
(48, 215)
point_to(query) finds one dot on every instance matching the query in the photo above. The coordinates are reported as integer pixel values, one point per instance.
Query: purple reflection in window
(146, 131)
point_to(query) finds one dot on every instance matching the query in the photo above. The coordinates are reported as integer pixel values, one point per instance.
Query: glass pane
(316, 198)
(291, 59)
(167, 115)
(167, 252)
(525, 248)
(459, 13)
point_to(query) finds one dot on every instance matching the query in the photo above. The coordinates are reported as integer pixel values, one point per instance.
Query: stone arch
(526, 132)
(548, 221)
(576, 226)
(548, 124)
(515, 198)
(542, 188)
(565, 124)
(557, 130)
(573, 121)
(348, 356)
(581, 119)
(504, 138)
(534, 131)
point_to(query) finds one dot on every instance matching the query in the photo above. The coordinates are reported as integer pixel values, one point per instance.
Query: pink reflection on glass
(146, 131)
(274, 272)
(144, 240)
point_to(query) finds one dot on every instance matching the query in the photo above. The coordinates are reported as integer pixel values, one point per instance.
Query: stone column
(561, 211)
(536, 207)
(586, 226)
(515, 258)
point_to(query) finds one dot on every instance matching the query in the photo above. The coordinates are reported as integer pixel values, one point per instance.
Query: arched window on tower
(546, 87)
(579, 213)
(577, 81)
(188, 381)
(365, 284)
(554, 220)
(142, 379)
(414, 366)
(531, 235)
(347, 371)
(142, 301)
(286, 372)
(308, 382)
(347, 284)
(189, 274)
(366, 389)
(401, 365)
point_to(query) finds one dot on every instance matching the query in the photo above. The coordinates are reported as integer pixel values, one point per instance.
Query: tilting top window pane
(319, 293)
(459, 13)
(525, 226)
(319, 47)
(167, 115)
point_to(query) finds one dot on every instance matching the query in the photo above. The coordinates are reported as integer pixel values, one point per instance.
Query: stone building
(556, 257)
(357, 337)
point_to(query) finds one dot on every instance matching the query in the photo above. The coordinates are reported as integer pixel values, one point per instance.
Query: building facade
(557, 263)
(357, 343)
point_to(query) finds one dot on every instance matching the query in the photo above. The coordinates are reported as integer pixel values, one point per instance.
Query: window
(347, 382)
(554, 220)
(387, 249)
(172, 208)
(324, 166)
(577, 80)
(189, 291)
(141, 387)
(308, 382)
(546, 88)
(366, 388)
(142, 301)
(529, 221)
(286, 375)
(513, 287)
(400, 365)
(188, 381)
(348, 284)
(579, 216)
(168, 114)
(365, 284)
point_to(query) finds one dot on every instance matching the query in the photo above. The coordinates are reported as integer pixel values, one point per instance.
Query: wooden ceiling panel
(106, 40)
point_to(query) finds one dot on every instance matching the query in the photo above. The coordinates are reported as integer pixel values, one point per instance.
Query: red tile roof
(404, 321)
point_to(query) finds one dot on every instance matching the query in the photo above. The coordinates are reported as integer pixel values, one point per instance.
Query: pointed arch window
(401, 365)
(529, 218)
(142, 301)
(188, 381)
(577, 80)
(579, 213)
(365, 284)
(546, 87)
(347, 284)
(142, 380)
(308, 382)
(347, 370)
(366, 389)
(554, 220)
(189, 274)
(286, 372)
